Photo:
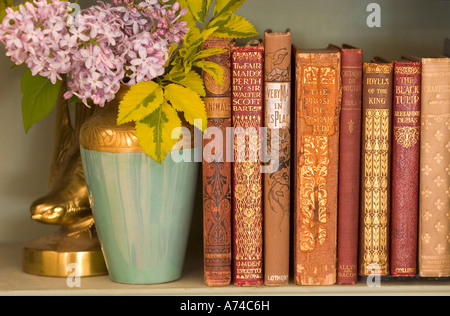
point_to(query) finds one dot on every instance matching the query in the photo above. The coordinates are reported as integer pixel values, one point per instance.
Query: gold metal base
(56, 254)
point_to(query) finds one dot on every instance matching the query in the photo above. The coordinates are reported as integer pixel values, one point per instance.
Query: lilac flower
(97, 68)
(150, 28)
(101, 48)
(152, 16)
(146, 58)
(32, 35)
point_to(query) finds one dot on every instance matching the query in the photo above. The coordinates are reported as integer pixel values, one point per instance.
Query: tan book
(434, 205)
(277, 99)
(315, 163)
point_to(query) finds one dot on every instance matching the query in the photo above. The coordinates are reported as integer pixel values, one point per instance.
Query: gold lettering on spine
(218, 107)
(375, 198)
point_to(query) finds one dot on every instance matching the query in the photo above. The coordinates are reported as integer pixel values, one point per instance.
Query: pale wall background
(407, 27)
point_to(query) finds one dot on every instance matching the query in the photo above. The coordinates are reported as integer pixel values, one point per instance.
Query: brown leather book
(277, 111)
(405, 168)
(434, 226)
(247, 67)
(217, 172)
(375, 169)
(349, 165)
(316, 161)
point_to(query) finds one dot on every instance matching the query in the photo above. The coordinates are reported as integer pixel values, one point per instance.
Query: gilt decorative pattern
(248, 217)
(314, 195)
(217, 215)
(407, 136)
(375, 190)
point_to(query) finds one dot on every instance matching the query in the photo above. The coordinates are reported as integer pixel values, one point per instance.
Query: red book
(349, 165)
(405, 168)
(217, 173)
(247, 71)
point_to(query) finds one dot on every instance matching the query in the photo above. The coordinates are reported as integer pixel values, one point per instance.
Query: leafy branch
(155, 106)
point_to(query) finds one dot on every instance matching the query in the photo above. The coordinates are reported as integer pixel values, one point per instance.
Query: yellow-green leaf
(190, 80)
(140, 101)
(191, 47)
(189, 102)
(235, 27)
(226, 6)
(211, 68)
(159, 132)
(199, 9)
(209, 52)
(195, 38)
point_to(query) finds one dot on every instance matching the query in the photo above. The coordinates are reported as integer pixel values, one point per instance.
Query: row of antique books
(358, 180)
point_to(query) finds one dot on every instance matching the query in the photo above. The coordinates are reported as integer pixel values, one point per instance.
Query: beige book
(434, 226)
(277, 99)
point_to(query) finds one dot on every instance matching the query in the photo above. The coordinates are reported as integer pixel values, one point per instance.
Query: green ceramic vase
(142, 210)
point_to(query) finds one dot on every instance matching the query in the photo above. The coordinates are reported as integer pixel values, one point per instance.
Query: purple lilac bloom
(99, 49)
(36, 35)
(97, 69)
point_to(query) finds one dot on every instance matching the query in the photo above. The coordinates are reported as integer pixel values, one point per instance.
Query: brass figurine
(65, 204)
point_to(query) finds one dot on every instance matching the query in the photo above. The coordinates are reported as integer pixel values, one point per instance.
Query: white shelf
(14, 282)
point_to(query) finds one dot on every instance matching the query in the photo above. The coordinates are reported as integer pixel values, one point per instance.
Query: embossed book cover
(315, 162)
(277, 110)
(405, 168)
(217, 171)
(434, 207)
(375, 169)
(247, 67)
(349, 164)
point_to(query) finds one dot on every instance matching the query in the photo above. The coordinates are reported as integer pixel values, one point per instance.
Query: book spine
(375, 169)
(277, 112)
(434, 200)
(247, 66)
(349, 166)
(217, 172)
(405, 168)
(316, 160)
